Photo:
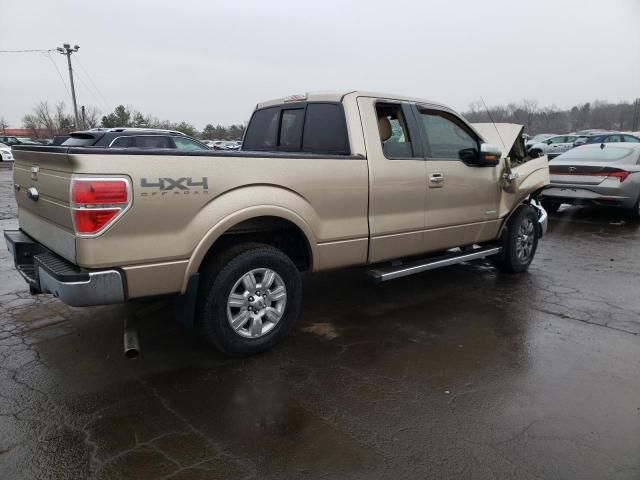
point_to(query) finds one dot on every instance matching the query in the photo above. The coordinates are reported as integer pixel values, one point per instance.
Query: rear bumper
(45, 271)
(592, 195)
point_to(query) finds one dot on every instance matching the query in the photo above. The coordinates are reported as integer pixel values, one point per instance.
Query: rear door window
(613, 139)
(394, 131)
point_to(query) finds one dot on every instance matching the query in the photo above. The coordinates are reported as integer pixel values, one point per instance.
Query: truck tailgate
(42, 180)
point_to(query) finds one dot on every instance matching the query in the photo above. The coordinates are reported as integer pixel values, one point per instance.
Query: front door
(462, 199)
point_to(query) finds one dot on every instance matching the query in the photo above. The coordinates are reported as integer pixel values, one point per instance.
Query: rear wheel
(249, 299)
(519, 241)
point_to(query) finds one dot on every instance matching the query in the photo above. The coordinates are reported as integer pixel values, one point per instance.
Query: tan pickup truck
(323, 181)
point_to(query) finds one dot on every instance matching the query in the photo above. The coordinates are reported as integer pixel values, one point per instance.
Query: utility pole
(67, 50)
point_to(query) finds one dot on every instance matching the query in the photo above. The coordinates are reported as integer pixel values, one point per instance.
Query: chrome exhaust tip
(131, 341)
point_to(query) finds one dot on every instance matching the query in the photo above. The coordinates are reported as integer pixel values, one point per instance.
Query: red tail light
(98, 191)
(96, 203)
(620, 175)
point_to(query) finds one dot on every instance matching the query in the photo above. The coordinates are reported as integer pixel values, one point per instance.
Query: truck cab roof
(338, 96)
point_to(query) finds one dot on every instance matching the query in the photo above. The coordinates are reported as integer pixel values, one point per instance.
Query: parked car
(9, 140)
(5, 153)
(541, 137)
(138, 138)
(553, 146)
(59, 139)
(608, 137)
(230, 145)
(603, 174)
(323, 181)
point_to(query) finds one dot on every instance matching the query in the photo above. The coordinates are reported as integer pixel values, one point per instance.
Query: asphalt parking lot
(457, 373)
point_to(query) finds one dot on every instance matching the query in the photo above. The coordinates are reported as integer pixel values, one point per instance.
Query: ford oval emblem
(572, 169)
(32, 194)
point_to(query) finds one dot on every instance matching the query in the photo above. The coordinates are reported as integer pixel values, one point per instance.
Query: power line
(48, 55)
(42, 50)
(105, 102)
(99, 102)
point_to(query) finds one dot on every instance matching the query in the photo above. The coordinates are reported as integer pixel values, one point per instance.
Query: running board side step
(396, 271)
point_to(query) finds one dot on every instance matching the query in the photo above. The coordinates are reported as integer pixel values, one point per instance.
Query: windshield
(586, 154)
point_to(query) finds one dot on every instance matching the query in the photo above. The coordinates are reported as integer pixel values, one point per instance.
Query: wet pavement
(457, 373)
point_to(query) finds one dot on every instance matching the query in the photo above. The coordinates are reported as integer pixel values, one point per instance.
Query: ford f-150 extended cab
(323, 181)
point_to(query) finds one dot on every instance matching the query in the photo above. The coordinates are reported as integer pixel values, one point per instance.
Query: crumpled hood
(504, 140)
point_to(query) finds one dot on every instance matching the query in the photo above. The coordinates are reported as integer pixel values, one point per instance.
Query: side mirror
(489, 155)
(548, 142)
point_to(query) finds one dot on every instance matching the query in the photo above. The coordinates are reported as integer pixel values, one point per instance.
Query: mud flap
(185, 305)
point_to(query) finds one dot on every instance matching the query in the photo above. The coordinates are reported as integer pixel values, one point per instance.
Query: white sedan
(553, 146)
(5, 153)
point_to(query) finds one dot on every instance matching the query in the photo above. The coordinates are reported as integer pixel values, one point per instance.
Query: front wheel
(520, 241)
(248, 300)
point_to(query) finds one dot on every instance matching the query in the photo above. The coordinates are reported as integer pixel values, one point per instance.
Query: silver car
(553, 146)
(606, 174)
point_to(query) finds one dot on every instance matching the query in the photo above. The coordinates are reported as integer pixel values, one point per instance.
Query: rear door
(397, 179)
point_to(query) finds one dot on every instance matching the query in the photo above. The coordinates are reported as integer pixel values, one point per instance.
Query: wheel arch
(254, 224)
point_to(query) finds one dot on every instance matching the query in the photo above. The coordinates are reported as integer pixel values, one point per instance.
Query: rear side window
(188, 145)
(311, 128)
(79, 140)
(325, 130)
(153, 141)
(123, 142)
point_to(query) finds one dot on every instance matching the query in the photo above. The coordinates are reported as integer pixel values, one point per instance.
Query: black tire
(218, 277)
(551, 206)
(509, 260)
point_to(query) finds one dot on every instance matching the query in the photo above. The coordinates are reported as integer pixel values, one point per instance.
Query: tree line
(47, 121)
(623, 116)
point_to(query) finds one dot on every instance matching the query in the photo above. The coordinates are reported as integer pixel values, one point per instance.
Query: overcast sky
(212, 61)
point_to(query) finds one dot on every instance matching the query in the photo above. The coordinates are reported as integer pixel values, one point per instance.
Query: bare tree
(44, 118)
(91, 117)
(32, 123)
(3, 125)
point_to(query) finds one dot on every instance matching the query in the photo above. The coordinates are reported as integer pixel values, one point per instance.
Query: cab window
(394, 134)
(447, 136)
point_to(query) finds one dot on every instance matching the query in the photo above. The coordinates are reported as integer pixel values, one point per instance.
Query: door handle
(436, 179)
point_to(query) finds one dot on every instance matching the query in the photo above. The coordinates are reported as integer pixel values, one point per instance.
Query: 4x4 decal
(179, 185)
